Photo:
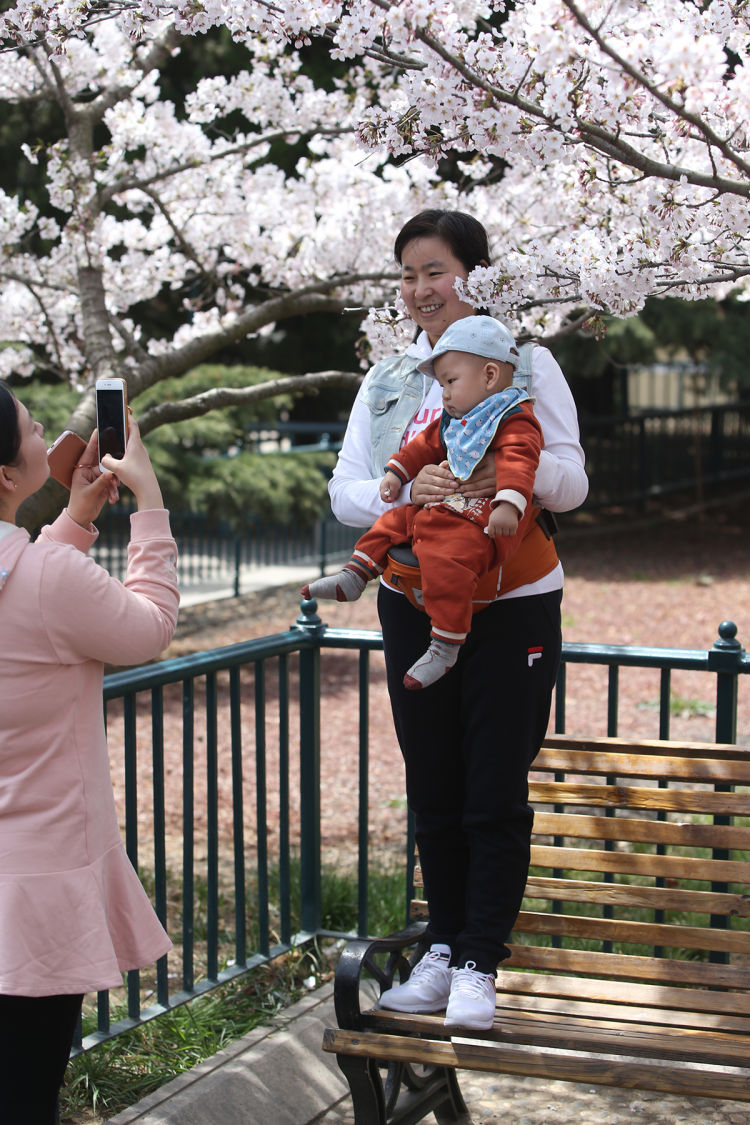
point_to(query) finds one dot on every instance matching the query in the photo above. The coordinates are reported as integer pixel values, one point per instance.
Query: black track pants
(468, 742)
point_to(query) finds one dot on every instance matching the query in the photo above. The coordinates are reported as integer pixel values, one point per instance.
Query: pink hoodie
(73, 915)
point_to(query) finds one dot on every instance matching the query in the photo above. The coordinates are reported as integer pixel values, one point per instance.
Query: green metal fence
(191, 737)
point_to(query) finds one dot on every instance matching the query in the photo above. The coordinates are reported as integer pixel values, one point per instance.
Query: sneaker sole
(422, 1010)
(471, 1025)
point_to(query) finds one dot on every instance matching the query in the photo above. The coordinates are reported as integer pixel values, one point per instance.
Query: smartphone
(63, 456)
(111, 417)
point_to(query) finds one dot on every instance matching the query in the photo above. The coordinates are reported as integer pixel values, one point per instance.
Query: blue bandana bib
(467, 439)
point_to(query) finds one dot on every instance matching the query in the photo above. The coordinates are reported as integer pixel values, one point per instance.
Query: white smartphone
(111, 417)
(63, 455)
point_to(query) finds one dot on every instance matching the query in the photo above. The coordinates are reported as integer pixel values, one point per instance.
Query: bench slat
(699, 1006)
(615, 744)
(630, 966)
(573, 1031)
(643, 831)
(632, 895)
(626, 896)
(677, 768)
(686, 1079)
(662, 1016)
(633, 933)
(641, 863)
(629, 797)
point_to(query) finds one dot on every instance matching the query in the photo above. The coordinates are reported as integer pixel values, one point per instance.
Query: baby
(456, 540)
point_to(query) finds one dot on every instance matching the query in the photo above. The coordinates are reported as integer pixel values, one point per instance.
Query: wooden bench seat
(630, 960)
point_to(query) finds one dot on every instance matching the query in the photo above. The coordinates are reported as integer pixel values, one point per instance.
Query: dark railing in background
(629, 458)
(629, 461)
(212, 552)
(658, 452)
(224, 866)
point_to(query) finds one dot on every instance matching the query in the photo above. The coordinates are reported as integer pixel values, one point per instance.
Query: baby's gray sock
(439, 658)
(346, 586)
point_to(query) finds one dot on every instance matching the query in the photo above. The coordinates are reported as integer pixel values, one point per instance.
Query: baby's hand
(390, 487)
(503, 520)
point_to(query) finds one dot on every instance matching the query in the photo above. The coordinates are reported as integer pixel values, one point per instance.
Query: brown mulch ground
(666, 579)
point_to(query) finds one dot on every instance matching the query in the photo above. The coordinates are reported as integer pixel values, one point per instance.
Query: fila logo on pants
(535, 653)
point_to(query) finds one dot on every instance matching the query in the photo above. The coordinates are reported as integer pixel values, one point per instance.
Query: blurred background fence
(630, 461)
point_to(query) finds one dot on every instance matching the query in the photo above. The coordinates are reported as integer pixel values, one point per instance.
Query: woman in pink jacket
(73, 915)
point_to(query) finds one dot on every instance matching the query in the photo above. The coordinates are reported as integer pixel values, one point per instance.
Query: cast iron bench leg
(366, 1088)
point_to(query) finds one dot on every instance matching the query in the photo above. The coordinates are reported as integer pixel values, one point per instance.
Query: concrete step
(275, 1075)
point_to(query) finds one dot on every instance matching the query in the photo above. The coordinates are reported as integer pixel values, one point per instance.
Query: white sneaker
(428, 987)
(472, 999)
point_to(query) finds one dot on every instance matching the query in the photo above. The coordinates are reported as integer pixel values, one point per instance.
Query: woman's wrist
(149, 497)
(78, 517)
(82, 511)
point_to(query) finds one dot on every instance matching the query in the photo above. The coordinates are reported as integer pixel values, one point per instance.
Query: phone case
(63, 455)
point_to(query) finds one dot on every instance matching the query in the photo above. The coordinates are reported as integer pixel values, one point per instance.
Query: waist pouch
(535, 557)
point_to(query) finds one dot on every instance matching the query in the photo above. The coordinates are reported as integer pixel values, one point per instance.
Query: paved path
(278, 1075)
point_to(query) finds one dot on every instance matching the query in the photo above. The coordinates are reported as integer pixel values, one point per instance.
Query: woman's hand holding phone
(89, 487)
(136, 471)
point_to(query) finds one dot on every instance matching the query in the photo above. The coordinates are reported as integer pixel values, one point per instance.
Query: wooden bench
(630, 961)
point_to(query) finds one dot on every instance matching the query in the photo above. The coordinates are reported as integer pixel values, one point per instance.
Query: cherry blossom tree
(147, 202)
(620, 127)
(168, 203)
(623, 123)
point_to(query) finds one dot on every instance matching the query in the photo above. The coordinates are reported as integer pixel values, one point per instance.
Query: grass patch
(123, 1070)
(114, 1075)
(682, 708)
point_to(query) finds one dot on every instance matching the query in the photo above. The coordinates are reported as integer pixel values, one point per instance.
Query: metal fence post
(724, 659)
(237, 564)
(309, 748)
(411, 844)
(643, 473)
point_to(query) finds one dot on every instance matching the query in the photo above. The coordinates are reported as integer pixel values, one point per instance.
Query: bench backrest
(639, 872)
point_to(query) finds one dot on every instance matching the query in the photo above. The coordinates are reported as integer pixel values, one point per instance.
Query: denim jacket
(393, 394)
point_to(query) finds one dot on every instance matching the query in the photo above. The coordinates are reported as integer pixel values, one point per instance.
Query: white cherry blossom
(622, 126)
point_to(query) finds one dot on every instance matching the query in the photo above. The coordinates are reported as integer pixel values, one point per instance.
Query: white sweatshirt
(560, 485)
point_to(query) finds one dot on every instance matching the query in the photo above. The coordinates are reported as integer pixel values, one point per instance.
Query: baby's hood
(12, 546)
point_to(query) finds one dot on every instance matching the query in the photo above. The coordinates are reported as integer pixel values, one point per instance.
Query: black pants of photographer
(36, 1034)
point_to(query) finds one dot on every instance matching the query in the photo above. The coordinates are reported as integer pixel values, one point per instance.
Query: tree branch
(313, 298)
(217, 397)
(190, 253)
(35, 288)
(135, 183)
(589, 134)
(707, 133)
(160, 48)
(134, 349)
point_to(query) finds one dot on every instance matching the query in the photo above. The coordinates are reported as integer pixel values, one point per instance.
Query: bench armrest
(382, 958)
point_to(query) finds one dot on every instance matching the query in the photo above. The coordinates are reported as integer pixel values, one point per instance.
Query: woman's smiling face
(428, 272)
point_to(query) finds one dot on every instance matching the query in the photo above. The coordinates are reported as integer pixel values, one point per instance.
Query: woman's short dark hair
(464, 234)
(10, 432)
